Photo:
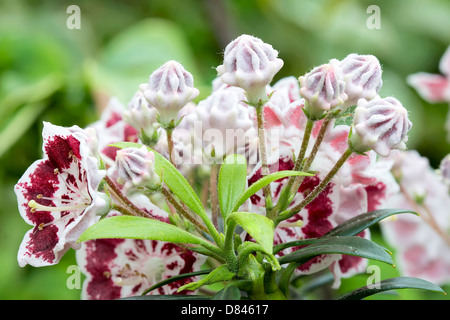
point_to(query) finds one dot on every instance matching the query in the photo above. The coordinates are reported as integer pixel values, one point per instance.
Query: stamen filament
(33, 204)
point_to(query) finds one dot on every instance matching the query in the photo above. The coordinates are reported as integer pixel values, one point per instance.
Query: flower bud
(135, 167)
(169, 89)
(142, 116)
(250, 64)
(323, 88)
(362, 76)
(380, 124)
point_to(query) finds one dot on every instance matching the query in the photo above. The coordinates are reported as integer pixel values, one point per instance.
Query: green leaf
(230, 292)
(354, 246)
(258, 226)
(176, 278)
(131, 227)
(261, 183)
(231, 183)
(357, 224)
(219, 274)
(392, 284)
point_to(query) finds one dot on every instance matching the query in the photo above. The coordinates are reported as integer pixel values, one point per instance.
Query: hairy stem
(213, 194)
(313, 194)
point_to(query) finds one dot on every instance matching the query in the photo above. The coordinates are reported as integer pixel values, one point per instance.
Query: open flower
(360, 186)
(434, 87)
(58, 197)
(422, 242)
(250, 64)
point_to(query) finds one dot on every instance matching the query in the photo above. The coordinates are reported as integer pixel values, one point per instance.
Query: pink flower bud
(250, 64)
(323, 89)
(169, 89)
(381, 124)
(362, 76)
(135, 166)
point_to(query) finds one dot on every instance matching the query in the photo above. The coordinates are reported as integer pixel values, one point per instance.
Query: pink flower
(112, 128)
(360, 186)
(434, 87)
(422, 243)
(58, 197)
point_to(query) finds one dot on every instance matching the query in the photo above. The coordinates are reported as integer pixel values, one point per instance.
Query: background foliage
(51, 73)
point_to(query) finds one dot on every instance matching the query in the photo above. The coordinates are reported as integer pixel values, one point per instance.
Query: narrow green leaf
(354, 246)
(392, 284)
(357, 224)
(131, 227)
(230, 292)
(176, 278)
(231, 183)
(261, 183)
(258, 226)
(219, 274)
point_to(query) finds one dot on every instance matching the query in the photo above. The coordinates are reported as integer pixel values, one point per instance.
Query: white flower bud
(169, 89)
(141, 115)
(362, 76)
(135, 166)
(250, 64)
(323, 88)
(380, 124)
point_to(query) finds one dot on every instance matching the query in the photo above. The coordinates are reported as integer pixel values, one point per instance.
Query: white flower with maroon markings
(58, 196)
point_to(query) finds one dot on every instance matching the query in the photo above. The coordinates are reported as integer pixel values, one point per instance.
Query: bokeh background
(51, 73)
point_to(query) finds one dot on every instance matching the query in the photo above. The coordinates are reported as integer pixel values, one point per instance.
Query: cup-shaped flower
(323, 88)
(250, 64)
(135, 167)
(142, 116)
(169, 89)
(380, 124)
(58, 197)
(362, 76)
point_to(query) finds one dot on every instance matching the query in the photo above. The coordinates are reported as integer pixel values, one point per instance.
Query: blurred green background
(51, 73)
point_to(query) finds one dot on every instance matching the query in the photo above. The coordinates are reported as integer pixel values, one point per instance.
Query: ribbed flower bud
(380, 124)
(250, 64)
(142, 116)
(135, 167)
(323, 88)
(362, 76)
(169, 89)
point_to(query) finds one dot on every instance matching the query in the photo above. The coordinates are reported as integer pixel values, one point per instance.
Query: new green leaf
(231, 183)
(258, 226)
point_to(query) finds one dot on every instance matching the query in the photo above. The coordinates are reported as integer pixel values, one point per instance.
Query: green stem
(181, 210)
(215, 210)
(286, 192)
(263, 153)
(230, 255)
(311, 196)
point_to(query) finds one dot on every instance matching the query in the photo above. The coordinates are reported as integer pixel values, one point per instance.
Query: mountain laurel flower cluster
(245, 188)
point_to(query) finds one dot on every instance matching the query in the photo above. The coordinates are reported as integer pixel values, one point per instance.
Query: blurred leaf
(228, 293)
(219, 274)
(133, 54)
